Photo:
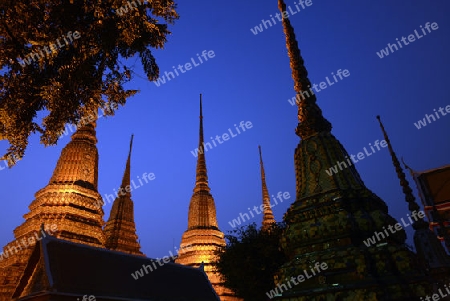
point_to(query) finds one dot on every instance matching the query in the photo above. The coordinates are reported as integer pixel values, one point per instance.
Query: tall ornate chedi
(67, 208)
(120, 230)
(429, 248)
(203, 237)
(268, 218)
(333, 216)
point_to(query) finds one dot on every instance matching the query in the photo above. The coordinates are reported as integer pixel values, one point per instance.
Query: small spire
(120, 229)
(311, 120)
(201, 182)
(409, 197)
(126, 176)
(429, 248)
(268, 218)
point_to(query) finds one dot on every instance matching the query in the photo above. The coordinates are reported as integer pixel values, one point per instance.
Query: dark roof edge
(50, 238)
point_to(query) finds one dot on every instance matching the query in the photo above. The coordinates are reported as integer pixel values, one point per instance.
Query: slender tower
(429, 249)
(268, 218)
(334, 214)
(68, 207)
(203, 237)
(120, 230)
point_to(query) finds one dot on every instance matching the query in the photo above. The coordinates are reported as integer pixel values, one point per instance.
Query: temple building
(64, 249)
(333, 215)
(203, 238)
(59, 270)
(434, 191)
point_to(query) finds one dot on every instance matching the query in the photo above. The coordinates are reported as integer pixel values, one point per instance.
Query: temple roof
(68, 270)
(435, 183)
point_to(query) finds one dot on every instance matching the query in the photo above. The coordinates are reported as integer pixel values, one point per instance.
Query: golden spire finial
(127, 174)
(268, 218)
(201, 182)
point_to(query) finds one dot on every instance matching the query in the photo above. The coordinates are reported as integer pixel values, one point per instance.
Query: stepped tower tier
(203, 238)
(69, 208)
(268, 218)
(334, 215)
(120, 230)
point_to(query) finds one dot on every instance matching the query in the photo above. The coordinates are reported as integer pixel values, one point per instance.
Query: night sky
(247, 78)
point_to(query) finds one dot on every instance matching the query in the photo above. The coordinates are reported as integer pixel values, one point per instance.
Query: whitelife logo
(319, 267)
(430, 118)
(378, 236)
(166, 259)
(131, 4)
(244, 125)
(70, 128)
(411, 38)
(341, 165)
(323, 85)
(27, 242)
(129, 188)
(36, 56)
(245, 217)
(87, 298)
(168, 75)
(437, 297)
(284, 15)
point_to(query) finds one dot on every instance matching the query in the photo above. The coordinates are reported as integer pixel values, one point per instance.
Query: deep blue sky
(249, 80)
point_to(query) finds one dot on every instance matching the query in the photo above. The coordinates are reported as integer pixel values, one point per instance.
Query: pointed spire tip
(131, 142)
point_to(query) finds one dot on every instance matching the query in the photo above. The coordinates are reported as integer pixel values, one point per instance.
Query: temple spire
(268, 218)
(126, 175)
(201, 180)
(334, 212)
(429, 248)
(202, 210)
(311, 120)
(409, 197)
(203, 239)
(120, 230)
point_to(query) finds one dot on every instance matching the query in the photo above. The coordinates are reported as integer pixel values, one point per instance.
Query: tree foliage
(45, 68)
(250, 260)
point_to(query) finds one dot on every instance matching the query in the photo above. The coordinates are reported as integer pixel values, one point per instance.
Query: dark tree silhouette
(67, 58)
(250, 260)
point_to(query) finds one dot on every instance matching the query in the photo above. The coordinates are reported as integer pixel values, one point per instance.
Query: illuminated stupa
(333, 215)
(68, 204)
(203, 237)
